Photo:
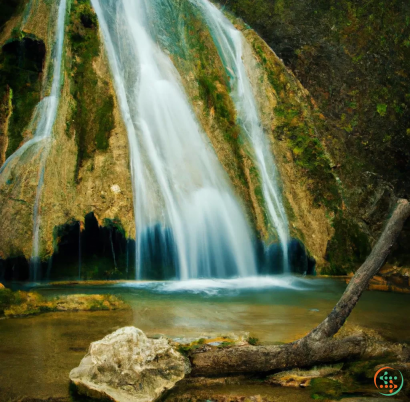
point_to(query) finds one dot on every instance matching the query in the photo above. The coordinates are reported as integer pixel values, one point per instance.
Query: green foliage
(93, 114)
(382, 109)
(253, 341)
(226, 344)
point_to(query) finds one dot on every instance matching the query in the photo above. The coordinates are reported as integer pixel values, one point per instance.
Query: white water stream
(43, 121)
(184, 206)
(230, 44)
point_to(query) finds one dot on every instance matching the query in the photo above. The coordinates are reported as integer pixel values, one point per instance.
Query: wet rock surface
(302, 378)
(22, 304)
(128, 366)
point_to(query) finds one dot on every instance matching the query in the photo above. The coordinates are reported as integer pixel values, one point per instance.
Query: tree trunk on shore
(317, 347)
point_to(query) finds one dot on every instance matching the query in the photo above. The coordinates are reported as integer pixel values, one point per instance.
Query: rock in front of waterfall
(127, 366)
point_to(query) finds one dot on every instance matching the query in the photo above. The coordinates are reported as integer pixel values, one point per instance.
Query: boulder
(127, 366)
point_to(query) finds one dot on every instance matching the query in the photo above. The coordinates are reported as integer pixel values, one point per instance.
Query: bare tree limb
(360, 280)
(317, 347)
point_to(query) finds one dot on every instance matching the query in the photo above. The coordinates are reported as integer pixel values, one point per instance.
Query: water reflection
(37, 353)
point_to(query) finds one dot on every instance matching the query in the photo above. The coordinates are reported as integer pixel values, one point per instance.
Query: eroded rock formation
(127, 366)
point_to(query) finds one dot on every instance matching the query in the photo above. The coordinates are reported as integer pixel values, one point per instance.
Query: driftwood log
(319, 346)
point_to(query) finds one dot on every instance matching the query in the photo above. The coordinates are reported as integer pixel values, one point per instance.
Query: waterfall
(47, 116)
(184, 206)
(230, 43)
(43, 121)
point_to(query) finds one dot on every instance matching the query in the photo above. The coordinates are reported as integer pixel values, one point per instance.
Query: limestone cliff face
(98, 182)
(309, 219)
(21, 87)
(353, 57)
(87, 168)
(102, 185)
(289, 118)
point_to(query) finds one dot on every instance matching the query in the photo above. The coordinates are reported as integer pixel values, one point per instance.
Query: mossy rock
(21, 304)
(326, 388)
(93, 114)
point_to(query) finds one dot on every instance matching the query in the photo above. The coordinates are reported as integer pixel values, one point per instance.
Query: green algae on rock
(20, 304)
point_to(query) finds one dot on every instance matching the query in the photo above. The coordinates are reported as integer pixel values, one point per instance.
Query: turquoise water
(37, 353)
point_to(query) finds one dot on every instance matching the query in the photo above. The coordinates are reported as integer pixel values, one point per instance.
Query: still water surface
(37, 353)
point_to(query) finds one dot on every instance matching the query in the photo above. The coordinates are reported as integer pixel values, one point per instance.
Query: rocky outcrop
(82, 175)
(127, 366)
(22, 304)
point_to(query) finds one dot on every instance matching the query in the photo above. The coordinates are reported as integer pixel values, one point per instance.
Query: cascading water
(43, 121)
(230, 43)
(184, 207)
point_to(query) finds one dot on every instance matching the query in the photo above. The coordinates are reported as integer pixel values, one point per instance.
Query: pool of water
(37, 353)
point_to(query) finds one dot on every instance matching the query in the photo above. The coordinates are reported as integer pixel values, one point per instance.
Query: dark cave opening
(83, 251)
(90, 251)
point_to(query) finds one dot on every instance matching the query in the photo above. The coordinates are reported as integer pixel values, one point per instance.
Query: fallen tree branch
(259, 359)
(335, 320)
(317, 347)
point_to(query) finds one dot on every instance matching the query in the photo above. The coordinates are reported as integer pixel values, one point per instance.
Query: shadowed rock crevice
(83, 250)
(21, 69)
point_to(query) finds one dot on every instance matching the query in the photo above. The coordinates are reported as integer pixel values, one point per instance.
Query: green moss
(187, 349)
(213, 83)
(363, 371)
(296, 122)
(8, 9)
(325, 388)
(7, 298)
(93, 112)
(354, 58)
(253, 341)
(18, 304)
(21, 64)
(226, 344)
(348, 247)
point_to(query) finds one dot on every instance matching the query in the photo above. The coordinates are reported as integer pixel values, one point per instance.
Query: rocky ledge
(390, 279)
(20, 304)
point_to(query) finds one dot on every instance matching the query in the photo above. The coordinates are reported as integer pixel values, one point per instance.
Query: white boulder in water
(127, 366)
